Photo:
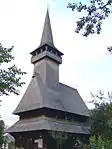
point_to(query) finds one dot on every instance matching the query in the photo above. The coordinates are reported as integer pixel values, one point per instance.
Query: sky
(86, 62)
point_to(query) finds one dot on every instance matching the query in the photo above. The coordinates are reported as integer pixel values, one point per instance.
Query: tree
(98, 143)
(101, 116)
(11, 145)
(10, 78)
(101, 121)
(2, 125)
(95, 13)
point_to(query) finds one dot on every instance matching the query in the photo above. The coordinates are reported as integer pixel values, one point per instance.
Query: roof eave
(47, 44)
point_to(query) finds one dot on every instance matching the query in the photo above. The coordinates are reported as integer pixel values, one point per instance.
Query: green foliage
(98, 143)
(96, 12)
(93, 16)
(60, 137)
(11, 145)
(101, 98)
(84, 146)
(101, 116)
(2, 125)
(10, 78)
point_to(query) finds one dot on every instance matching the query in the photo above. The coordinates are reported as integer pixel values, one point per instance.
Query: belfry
(51, 114)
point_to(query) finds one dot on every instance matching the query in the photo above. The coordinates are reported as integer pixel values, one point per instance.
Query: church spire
(47, 37)
(46, 48)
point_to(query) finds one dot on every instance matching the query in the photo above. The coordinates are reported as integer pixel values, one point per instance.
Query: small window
(34, 54)
(39, 51)
(43, 49)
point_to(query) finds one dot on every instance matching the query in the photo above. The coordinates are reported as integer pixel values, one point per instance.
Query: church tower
(46, 58)
(49, 108)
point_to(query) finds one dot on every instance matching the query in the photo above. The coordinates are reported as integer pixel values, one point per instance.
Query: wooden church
(51, 114)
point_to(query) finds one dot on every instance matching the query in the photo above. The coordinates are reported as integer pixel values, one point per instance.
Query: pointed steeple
(46, 47)
(47, 37)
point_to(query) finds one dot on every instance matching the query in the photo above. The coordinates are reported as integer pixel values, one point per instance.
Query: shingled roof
(61, 97)
(44, 123)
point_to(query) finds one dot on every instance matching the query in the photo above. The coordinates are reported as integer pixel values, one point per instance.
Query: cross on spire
(48, 7)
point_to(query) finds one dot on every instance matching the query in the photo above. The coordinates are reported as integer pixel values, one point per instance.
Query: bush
(98, 143)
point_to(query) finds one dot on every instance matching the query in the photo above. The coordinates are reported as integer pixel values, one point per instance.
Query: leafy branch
(93, 16)
(10, 78)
